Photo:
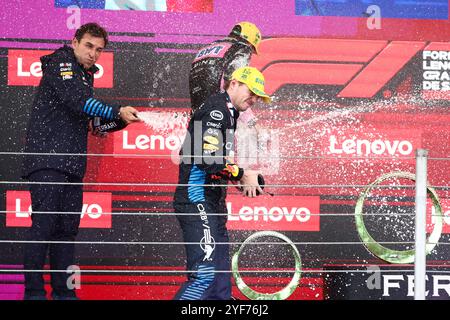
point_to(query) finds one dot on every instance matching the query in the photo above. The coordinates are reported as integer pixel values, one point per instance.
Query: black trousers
(208, 261)
(52, 227)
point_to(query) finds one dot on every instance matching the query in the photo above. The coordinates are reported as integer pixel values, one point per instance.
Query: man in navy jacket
(55, 161)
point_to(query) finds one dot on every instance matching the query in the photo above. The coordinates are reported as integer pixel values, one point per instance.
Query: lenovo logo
(140, 139)
(367, 147)
(24, 68)
(150, 142)
(280, 213)
(376, 143)
(95, 212)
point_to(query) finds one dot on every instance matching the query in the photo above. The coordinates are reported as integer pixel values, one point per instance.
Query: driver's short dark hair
(94, 30)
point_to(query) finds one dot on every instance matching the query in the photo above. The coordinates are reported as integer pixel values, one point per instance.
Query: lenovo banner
(24, 68)
(284, 213)
(96, 212)
(373, 143)
(160, 134)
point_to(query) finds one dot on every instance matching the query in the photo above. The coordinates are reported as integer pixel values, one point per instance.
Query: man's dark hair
(93, 29)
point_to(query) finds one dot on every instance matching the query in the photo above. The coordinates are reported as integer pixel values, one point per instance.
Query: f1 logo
(362, 67)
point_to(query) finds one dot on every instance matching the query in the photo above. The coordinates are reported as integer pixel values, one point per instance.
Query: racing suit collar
(230, 106)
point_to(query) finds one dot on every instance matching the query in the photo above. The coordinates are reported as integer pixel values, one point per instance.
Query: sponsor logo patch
(211, 139)
(216, 115)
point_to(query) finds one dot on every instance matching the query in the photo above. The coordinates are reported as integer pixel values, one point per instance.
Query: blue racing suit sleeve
(75, 92)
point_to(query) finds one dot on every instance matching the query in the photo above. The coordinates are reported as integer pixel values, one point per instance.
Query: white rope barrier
(169, 156)
(212, 213)
(128, 184)
(142, 243)
(219, 271)
(130, 155)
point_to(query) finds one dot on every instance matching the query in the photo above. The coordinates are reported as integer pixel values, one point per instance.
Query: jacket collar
(229, 104)
(233, 111)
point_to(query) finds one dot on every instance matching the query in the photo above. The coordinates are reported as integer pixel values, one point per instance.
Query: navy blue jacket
(60, 115)
(209, 140)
